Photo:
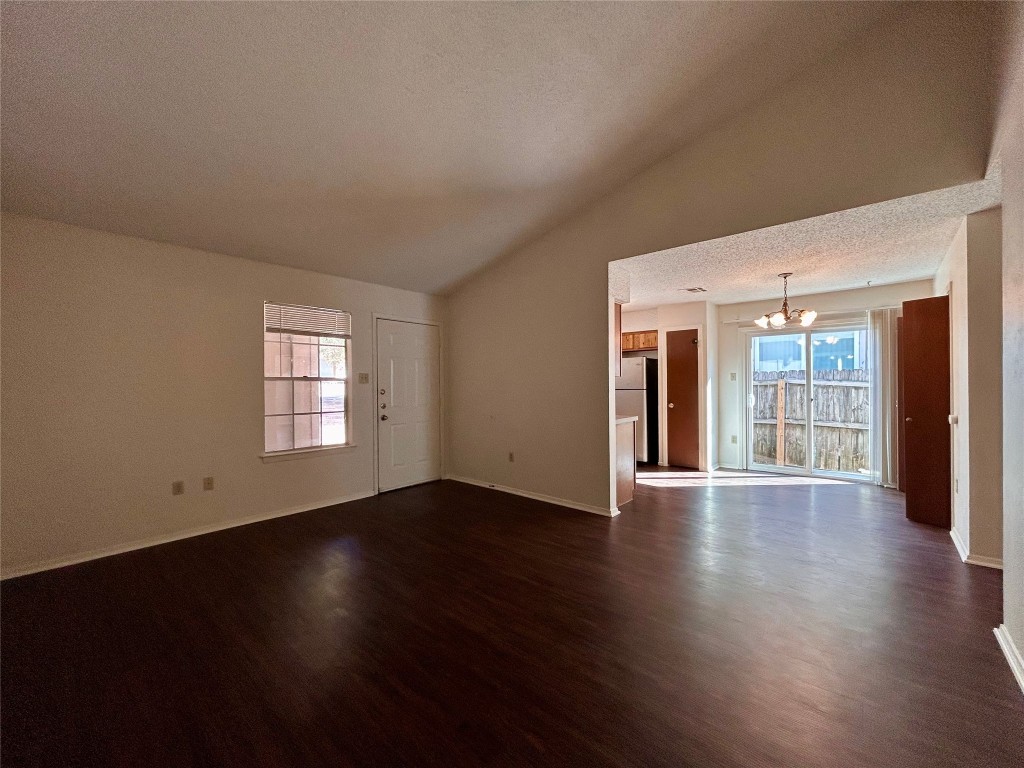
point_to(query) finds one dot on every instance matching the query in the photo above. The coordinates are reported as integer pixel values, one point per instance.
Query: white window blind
(312, 321)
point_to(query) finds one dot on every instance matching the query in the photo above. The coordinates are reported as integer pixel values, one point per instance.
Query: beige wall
(528, 337)
(736, 320)
(984, 259)
(130, 364)
(1010, 149)
(951, 278)
(528, 372)
(971, 274)
(643, 320)
(711, 380)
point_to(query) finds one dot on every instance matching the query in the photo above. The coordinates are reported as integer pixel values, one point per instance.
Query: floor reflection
(681, 479)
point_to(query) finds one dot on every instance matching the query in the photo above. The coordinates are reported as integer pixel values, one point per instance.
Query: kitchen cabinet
(635, 341)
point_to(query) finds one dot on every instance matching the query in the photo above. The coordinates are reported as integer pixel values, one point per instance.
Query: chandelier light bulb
(784, 315)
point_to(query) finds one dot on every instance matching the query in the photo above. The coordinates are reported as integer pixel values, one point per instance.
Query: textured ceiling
(404, 144)
(889, 242)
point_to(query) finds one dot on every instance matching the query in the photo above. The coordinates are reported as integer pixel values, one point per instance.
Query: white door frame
(702, 384)
(373, 378)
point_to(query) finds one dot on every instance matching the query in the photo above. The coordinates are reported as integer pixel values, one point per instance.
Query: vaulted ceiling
(403, 144)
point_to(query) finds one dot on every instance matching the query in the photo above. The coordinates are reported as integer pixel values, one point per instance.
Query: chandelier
(786, 315)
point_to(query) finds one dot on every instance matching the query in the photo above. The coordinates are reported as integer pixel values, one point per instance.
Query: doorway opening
(809, 397)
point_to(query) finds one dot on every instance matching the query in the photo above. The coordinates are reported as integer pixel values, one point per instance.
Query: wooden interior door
(683, 396)
(925, 356)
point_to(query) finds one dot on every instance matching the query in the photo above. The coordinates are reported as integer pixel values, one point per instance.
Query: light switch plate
(364, 378)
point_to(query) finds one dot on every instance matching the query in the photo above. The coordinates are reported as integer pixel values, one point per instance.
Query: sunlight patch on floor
(702, 479)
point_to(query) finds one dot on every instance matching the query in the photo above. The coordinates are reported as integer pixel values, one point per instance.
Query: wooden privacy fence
(841, 414)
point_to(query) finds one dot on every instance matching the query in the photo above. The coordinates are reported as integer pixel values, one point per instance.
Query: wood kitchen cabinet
(635, 341)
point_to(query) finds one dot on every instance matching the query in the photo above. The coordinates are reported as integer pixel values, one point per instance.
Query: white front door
(408, 403)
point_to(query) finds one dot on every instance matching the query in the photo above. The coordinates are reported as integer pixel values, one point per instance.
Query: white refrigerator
(636, 394)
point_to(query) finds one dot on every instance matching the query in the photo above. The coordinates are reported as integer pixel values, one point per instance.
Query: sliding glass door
(809, 402)
(778, 398)
(841, 415)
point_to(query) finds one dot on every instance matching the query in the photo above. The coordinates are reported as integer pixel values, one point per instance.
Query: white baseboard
(95, 554)
(538, 496)
(986, 562)
(961, 547)
(1011, 652)
(967, 557)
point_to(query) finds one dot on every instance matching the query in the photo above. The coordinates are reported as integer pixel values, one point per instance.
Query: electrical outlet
(364, 378)
(178, 487)
(207, 483)
(511, 456)
(732, 376)
(733, 439)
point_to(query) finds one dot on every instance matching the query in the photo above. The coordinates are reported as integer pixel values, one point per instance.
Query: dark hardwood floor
(746, 624)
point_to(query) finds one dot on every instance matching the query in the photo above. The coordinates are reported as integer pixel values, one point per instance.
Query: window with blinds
(305, 376)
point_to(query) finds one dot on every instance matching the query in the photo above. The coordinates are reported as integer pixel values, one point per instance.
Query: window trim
(344, 320)
(302, 453)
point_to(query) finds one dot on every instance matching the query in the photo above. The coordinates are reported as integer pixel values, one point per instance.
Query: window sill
(301, 453)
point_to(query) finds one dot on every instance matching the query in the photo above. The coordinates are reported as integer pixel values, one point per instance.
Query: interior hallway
(734, 624)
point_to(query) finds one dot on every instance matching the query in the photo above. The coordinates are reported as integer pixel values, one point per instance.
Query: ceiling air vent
(696, 290)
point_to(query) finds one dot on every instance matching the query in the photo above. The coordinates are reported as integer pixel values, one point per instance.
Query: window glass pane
(295, 359)
(268, 336)
(271, 358)
(286, 359)
(331, 341)
(332, 362)
(332, 396)
(842, 401)
(277, 433)
(307, 431)
(277, 397)
(333, 430)
(303, 359)
(307, 396)
(779, 390)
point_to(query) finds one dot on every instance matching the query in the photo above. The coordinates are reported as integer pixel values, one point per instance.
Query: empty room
(511, 384)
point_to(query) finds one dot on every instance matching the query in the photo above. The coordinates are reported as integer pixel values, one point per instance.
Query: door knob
(909, 419)
(671, 405)
(384, 417)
